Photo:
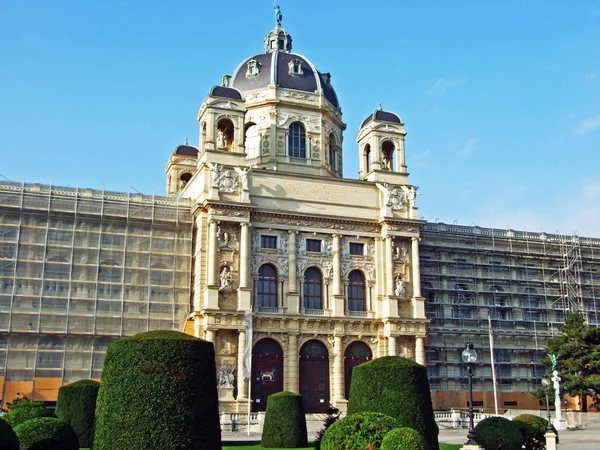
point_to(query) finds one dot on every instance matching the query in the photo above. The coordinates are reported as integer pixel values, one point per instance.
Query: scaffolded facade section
(525, 282)
(78, 269)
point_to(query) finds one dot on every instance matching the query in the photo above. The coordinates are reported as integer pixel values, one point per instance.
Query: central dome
(278, 67)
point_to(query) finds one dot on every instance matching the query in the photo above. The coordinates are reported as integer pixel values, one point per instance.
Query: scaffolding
(80, 268)
(526, 282)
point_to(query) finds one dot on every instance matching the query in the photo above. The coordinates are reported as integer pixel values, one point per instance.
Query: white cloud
(444, 84)
(468, 149)
(588, 124)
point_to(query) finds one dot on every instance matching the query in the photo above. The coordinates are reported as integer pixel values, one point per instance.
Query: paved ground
(580, 439)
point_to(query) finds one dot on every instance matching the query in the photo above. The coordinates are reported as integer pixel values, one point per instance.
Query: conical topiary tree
(76, 405)
(285, 422)
(158, 390)
(399, 388)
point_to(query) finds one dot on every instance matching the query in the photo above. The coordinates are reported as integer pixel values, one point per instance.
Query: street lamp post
(469, 356)
(546, 383)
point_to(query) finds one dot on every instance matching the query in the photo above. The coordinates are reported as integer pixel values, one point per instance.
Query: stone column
(293, 373)
(420, 351)
(389, 266)
(338, 369)
(392, 346)
(242, 385)
(212, 254)
(416, 268)
(337, 280)
(293, 284)
(211, 336)
(244, 255)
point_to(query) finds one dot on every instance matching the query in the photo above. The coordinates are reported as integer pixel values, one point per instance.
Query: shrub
(399, 388)
(358, 431)
(15, 402)
(76, 405)
(158, 390)
(26, 410)
(333, 414)
(8, 438)
(403, 439)
(532, 428)
(285, 422)
(496, 433)
(47, 433)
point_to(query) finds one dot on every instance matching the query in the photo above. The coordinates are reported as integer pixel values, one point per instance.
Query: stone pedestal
(559, 424)
(226, 394)
(550, 440)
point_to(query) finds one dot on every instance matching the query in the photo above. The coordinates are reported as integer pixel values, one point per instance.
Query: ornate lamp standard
(469, 356)
(546, 383)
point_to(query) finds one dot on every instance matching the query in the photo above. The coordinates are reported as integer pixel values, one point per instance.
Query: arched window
(332, 155)
(297, 141)
(367, 156)
(252, 141)
(313, 288)
(266, 288)
(184, 179)
(387, 156)
(356, 291)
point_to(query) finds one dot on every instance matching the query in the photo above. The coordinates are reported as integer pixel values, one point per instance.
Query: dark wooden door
(314, 377)
(267, 372)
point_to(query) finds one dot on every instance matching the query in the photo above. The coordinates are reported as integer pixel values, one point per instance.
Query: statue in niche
(385, 162)
(225, 376)
(225, 278)
(400, 253)
(221, 139)
(399, 287)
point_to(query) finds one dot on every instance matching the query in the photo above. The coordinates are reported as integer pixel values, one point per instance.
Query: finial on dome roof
(278, 15)
(186, 142)
(380, 107)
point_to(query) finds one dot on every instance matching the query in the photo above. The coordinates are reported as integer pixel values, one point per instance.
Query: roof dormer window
(295, 66)
(253, 68)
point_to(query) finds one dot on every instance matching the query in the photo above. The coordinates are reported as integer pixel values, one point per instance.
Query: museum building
(259, 218)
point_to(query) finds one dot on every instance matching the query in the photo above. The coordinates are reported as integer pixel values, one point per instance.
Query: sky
(501, 100)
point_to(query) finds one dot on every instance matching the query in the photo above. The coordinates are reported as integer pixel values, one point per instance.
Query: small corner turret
(180, 168)
(381, 148)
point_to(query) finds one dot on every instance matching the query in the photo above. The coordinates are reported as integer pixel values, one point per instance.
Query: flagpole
(248, 363)
(493, 365)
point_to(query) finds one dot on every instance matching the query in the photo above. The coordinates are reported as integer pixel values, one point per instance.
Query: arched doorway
(314, 376)
(356, 353)
(267, 372)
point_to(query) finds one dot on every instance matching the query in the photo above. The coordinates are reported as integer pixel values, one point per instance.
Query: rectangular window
(268, 241)
(313, 245)
(357, 248)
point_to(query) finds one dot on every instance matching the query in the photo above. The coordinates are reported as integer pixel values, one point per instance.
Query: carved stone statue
(400, 288)
(410, 195)
(225, 278)
(221, 139)
(243, 174)
(216, 171)
(225, 376)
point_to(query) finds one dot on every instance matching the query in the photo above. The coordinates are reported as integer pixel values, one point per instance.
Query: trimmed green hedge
(403, 439)
(397, 387)
(8, 438)
(532, 428)
(158, 390)
(498, 433)
(26, 410)
(358, 431)
(47, 433)
(76, 405)
(285, 422)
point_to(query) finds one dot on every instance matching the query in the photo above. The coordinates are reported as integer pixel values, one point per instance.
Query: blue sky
(501, 100)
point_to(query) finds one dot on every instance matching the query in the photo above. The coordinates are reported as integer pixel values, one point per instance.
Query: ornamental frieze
(317, 223)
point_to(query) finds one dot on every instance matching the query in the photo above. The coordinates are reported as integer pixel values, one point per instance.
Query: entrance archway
(267, 372)
(356, 353)
(314, 376)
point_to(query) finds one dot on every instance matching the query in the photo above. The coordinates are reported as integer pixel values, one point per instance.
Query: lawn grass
(444, 446)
